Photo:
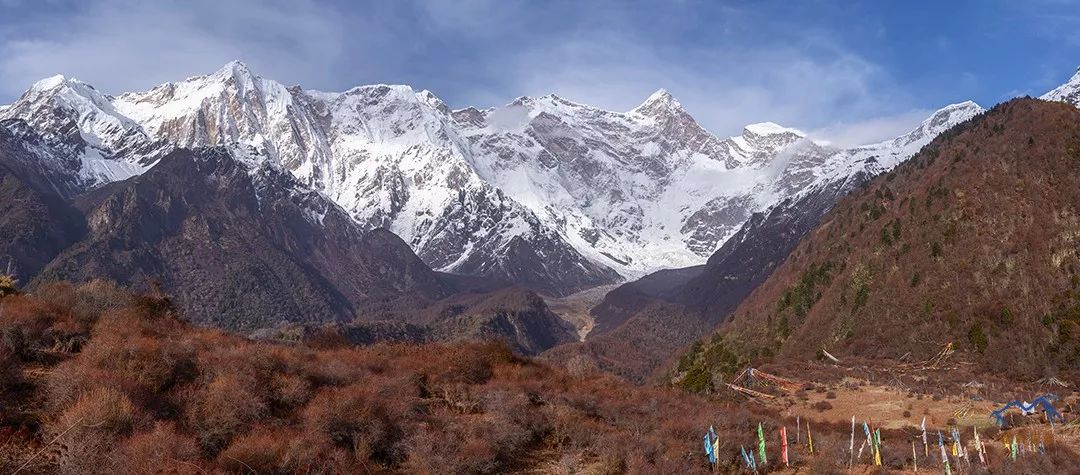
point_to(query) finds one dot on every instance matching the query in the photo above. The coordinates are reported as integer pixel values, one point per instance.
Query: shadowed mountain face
(241, 246)
(36, 222)
(973, 241)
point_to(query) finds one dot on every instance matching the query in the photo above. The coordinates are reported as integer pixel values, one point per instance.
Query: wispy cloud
(476, 52)
(124, 45)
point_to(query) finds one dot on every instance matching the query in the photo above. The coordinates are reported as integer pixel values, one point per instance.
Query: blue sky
(847, 71)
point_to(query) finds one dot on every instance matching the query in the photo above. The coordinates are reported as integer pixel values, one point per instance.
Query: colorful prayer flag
(877, 447)
(761, 445)
(709, 450)
(716, 448)
(944, 456)
(783, 446)
(979, 447)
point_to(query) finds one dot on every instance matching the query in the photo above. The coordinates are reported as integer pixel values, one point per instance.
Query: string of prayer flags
(1012, 448)
(761, 445)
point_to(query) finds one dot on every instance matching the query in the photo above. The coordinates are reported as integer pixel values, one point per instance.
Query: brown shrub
(10, 374)
(194, 400)
(87, 432)
(267, 450)
(222, 409)
(356, 418)
(163, 449)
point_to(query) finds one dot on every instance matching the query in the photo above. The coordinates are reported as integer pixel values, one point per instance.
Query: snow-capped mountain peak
(659, 101)
(1068, 92)
(945, 118)
(543, 191)
(763, 129)
(49, 83)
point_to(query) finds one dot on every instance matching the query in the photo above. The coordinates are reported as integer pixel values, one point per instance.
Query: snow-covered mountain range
(543, 191)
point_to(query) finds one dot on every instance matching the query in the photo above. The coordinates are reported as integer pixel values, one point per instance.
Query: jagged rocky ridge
(544, 192)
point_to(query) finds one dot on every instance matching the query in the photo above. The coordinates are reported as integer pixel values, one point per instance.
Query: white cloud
(121, 45)
(723, 87)
(872, 130)
(479, 52)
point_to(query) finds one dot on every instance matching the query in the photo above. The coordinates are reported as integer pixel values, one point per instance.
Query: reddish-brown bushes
(148, 393)
(356, 418)
(162, 449)
(223, 408)
(87, 430)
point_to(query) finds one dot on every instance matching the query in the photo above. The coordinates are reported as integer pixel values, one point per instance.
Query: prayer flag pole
(925, 446)
(851, 445)
(914, 456)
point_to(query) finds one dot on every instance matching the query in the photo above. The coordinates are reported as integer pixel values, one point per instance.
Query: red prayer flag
(783, 445)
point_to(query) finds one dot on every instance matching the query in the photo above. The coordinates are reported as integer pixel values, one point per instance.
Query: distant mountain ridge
(971, 243)
(544, 192)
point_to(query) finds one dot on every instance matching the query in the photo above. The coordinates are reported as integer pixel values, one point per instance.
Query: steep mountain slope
(36, 221)
(241, 245)
(767, 239)
(687, 304)
(1068, 92)
(973, 242)
(545, 192)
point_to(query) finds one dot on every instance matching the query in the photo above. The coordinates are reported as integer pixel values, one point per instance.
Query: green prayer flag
(761, 445)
